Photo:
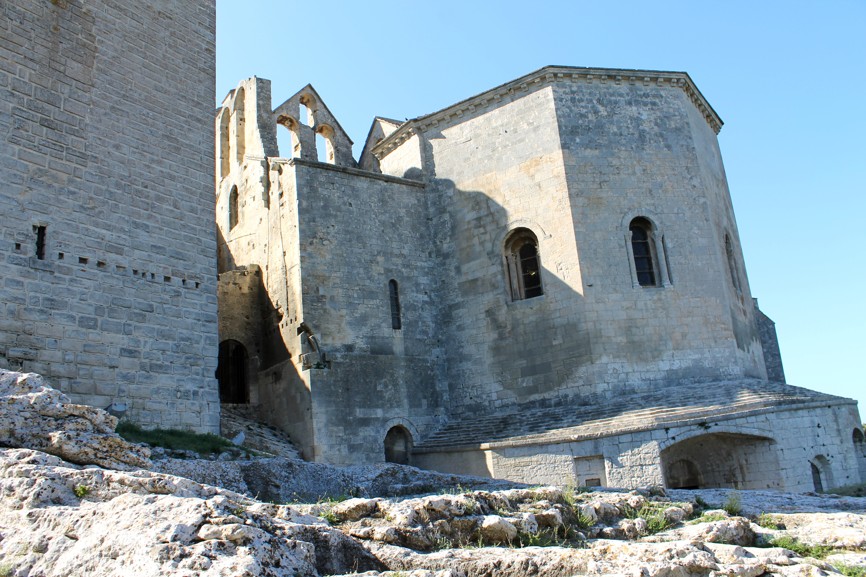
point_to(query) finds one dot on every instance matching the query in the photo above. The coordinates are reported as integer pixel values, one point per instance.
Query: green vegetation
(330, 517)
(801, 549)
(174, 439)
(709, 518)
(81, 491)
(849, 570)
(559, 537)
(733, 506)
(6, 569)
(768, 521)
(699, 501)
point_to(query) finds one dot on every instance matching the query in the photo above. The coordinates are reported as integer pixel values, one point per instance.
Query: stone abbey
(542, 282)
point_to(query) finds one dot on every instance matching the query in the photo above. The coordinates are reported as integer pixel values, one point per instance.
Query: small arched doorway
(398, 446)
(232, 373)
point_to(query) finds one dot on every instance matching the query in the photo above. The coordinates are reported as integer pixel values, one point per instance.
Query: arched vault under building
(716, 460)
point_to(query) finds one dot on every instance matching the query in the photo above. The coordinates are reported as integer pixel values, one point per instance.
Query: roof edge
(545, 75)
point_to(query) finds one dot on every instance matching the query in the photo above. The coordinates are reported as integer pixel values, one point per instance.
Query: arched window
(325, 144)
(398, 446)
(394, 295)
(732, 265)
(523, 265)
(232, 373)
(644, 252)
(233, 207)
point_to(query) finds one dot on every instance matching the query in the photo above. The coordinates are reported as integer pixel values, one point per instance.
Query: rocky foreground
(70, 519)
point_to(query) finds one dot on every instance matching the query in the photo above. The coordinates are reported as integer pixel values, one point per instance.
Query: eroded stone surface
(37, 416)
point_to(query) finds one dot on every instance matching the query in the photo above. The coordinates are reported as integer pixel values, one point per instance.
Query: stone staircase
(236, 419)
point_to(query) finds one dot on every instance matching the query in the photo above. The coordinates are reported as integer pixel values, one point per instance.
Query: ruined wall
(109, 284)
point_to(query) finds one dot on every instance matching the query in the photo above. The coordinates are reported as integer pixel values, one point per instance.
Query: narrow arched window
(523, 265)
(644, 252)
(394, 294)
(732, 265)
(233, 207)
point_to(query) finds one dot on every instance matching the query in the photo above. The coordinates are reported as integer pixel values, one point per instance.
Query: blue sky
(788, 79)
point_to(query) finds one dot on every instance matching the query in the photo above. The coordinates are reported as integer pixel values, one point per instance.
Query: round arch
(398, 445)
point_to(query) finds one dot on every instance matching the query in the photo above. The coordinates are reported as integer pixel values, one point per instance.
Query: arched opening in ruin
(289, 140)
(240, 126)
(232, 373)
(307, 110)
(223, 152)
(398, 446)
(721, 460)
(325, 144)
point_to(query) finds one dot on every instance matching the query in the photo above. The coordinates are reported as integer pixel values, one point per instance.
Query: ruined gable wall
(106, 140)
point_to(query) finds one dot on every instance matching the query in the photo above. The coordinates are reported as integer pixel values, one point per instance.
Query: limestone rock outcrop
(58, 519)
(36, 416)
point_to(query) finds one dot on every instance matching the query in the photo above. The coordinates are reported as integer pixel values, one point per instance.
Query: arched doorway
(232, 373)
(398, 446)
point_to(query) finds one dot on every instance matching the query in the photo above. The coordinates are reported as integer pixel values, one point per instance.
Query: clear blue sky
(787, 77)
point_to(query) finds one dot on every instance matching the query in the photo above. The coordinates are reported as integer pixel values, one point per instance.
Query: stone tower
(109, 277)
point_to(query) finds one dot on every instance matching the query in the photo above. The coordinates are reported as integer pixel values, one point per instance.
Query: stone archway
(716, 460)
(398, 446)
(232, 373)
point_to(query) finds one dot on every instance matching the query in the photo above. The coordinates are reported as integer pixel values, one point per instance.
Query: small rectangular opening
(60, 256)
(82, 260)
(17, 246)
(100, 264)
(166, 279)
(40, 241)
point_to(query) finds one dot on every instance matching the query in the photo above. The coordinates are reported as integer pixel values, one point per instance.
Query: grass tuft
(733, 505)
(849, 570)
(801, 549)
(175, 439)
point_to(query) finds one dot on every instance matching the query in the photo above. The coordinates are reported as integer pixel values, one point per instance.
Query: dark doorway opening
(232, 373)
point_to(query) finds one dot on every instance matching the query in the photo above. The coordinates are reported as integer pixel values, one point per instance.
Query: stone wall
(109, 284)
(574, 160)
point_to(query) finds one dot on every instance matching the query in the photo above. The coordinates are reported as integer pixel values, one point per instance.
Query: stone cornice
(543, 77)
